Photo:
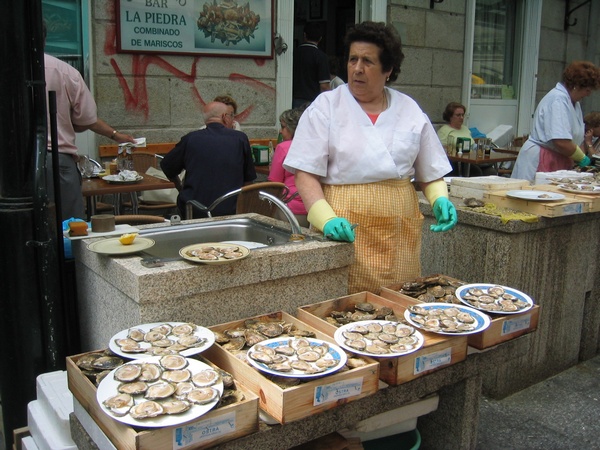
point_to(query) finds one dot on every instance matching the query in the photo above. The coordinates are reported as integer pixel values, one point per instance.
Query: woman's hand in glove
(445, 215)
(339, 229)
(586, 161)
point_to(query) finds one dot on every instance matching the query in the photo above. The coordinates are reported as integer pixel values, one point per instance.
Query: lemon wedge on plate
(127, 239)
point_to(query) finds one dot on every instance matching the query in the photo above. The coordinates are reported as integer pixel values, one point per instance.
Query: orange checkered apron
(388, 237)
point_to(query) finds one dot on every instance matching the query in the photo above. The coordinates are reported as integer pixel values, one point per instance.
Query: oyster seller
(354, 153)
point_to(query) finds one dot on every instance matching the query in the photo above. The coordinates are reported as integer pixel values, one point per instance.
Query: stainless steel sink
(169, 240)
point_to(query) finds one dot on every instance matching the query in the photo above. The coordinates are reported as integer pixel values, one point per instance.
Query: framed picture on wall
(196, 27)
(315, 9)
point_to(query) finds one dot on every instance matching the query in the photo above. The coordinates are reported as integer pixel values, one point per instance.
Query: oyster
(165, 329)
(85, 362)
(173, 362)
(206, 377)
(204, 395)
(270, 329)
(107, 362)
(135, 388)
(160, 390)
(176, 376)
(183, 329)
(119, 404)
(128, 372)
(182, 389)
(175, 406)
(191, 340)
(146, 410)
(150, 372)
(136, 334)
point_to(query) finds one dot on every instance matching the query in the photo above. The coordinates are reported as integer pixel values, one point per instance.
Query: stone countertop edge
(466, 216)
(264, 264)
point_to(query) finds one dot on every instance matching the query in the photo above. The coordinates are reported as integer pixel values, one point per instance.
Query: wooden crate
(243, 415)
(566, 207)
(437, 351)
(592, 200)
(305, 399)
(501, 329)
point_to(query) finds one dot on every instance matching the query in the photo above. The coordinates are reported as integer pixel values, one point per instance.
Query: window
(495, 70)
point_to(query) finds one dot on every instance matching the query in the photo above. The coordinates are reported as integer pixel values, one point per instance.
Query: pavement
(559, 413)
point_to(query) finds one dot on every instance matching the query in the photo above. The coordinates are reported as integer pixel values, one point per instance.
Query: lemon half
(127, 239)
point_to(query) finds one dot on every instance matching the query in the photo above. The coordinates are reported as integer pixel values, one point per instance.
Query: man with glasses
(217, 160)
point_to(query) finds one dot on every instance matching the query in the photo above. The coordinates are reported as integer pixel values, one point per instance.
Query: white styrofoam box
(476, 187)
(91, 427)
(501, 135)
(544, 177)
(56, 399)
(27, 443)
(46, 434)
(392, 422)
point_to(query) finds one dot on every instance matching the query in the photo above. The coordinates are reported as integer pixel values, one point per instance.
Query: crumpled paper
(128, 175)
(505, 214)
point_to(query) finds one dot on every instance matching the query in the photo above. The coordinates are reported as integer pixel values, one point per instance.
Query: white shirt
(336, 140)
(555, 118)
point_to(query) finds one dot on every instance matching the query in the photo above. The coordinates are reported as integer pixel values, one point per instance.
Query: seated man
(217, 160)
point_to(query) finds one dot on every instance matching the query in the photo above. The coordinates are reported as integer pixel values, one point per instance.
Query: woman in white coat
(558, 129)
(354, 153)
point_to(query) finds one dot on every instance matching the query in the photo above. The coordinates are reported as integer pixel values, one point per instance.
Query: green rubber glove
(339, 229)
(586, 161)
(445, 214)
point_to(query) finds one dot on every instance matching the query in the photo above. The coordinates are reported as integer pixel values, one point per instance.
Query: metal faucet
(289, 215)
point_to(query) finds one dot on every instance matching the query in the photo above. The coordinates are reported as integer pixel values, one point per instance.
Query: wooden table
(495, 158)
(93, 187)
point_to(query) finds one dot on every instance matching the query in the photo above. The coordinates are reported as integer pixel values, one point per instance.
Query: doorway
(334, 17)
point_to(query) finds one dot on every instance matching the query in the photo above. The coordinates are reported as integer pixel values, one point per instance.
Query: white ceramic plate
(335, 353)
(461, 291)
(184, 253)
(579, 190)
(536, 196)
(483, 321)
(108, 387)
(340, 339)
(200, 332)
(117, 179)
(113, 246)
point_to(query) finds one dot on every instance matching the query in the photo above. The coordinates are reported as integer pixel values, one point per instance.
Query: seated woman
(454, 115)
(591, 141)
(288, 121)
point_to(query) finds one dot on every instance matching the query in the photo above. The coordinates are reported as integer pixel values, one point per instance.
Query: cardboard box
(241, 419)
(502, 327)
(307, 398)
(438, 350)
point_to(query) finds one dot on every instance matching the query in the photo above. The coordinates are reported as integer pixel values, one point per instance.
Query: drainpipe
(31, 315)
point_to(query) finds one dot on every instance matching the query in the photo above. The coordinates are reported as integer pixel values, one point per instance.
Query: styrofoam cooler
(392, 422)
(48, 416)
(27, 443)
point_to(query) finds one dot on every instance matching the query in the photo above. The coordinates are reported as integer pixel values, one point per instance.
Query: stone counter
(118, 292)
(554, 261)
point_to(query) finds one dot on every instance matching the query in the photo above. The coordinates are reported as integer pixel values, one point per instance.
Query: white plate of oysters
(495, 299)
(379, 338)
(160, 392)
(296, 357)
(445, 318)
(161, 338)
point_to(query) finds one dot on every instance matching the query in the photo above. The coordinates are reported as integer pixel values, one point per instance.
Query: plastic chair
(248, 200)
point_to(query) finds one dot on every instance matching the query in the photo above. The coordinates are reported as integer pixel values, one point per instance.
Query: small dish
(113, 246)
(186, 252)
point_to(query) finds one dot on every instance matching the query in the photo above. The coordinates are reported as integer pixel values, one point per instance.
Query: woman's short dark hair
(581, 74)
(383, 36)
(228, 100)
(450, 108)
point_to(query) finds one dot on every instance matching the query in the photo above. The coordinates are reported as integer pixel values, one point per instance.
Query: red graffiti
(136, 96)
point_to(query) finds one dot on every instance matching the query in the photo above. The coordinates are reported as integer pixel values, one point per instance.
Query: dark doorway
(335, 16)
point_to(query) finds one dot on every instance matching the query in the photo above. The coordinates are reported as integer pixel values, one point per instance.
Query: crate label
(432, 360)
(337, 391)
(202, 431)
(516, 324)
(573, 208)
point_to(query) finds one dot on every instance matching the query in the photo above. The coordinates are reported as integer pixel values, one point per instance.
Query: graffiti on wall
(135, 92)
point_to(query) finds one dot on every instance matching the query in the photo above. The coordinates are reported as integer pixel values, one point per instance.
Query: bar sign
(337, 391)
(204, 430)
(516, 324)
